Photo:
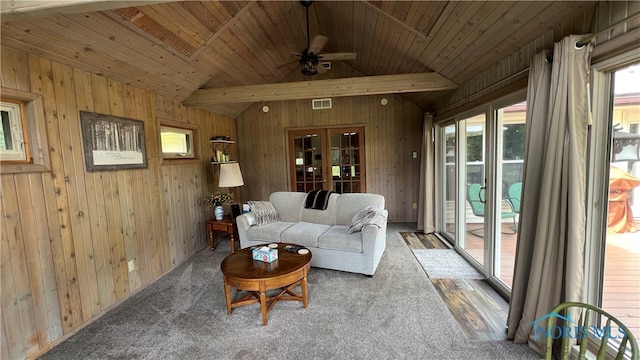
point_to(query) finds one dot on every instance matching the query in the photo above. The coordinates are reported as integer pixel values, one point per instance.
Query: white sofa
(323, 232)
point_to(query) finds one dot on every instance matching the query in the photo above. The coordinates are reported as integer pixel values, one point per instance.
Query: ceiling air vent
(325, 65)
(318, 104)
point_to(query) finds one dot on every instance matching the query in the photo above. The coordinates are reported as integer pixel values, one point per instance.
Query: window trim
(34, 130)
(16, 107)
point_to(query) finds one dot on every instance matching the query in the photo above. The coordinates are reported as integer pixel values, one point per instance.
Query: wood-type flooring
(476, 306)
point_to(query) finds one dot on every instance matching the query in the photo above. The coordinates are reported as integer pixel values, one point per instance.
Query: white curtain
(549, 265)
(426, 221)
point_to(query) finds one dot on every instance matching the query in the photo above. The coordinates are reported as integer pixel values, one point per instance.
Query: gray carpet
(396, 314)
(445, 264)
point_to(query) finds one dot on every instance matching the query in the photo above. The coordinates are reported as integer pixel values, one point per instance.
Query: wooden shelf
(220, 148)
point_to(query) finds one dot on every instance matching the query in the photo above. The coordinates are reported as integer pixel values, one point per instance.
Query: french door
(327, 159)
(480, 156)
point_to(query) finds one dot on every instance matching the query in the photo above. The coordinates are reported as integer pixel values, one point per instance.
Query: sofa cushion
(288, 204)
(338, 238)
(264, 212)
(304, 233)
(269, 232)
(326, 216)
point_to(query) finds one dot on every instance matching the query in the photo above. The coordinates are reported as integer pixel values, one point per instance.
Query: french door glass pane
(511, 121)
(474, 215)
(621, 273)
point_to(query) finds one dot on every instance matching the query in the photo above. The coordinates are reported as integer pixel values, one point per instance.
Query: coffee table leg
(227, 294)
(303, 285)
(263, 306)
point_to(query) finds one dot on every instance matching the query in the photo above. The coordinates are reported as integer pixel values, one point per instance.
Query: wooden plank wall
(68, 234)
(392, 133)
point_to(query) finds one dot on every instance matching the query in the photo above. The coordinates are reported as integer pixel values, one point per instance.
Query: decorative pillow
(251, 218)
(361, 218)
(264, 212)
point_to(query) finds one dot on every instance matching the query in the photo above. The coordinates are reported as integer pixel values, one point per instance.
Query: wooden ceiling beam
(365, 85)
(26, 9)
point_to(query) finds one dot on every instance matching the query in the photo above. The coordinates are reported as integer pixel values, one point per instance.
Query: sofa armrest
(244, 222)
(374, 242)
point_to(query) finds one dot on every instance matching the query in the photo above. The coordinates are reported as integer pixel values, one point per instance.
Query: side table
(228, 225)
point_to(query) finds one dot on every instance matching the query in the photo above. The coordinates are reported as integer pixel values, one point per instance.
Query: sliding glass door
(614, 203)
(510, 125)
(447, 198)
(473, 192)
(480, 156)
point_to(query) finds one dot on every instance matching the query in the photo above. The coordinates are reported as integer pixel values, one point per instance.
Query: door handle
(481, 194)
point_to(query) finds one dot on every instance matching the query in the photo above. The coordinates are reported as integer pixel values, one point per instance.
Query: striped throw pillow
(264, 212)
(362, 218)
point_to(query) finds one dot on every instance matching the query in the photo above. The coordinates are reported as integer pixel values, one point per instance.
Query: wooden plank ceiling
(176, 48)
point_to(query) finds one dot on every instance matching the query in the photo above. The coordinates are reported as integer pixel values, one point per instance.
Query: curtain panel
(426, 211)
(549, 264)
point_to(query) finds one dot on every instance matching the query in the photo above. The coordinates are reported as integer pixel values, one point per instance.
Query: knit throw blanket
(317, 199)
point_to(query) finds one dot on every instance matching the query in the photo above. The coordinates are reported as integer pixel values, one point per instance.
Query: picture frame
(112, 142)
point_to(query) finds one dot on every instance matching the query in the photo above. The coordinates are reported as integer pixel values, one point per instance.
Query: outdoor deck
(622, 272)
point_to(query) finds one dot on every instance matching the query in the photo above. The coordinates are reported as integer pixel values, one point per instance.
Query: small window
(177, 143)
(13, 145)
(25, 150)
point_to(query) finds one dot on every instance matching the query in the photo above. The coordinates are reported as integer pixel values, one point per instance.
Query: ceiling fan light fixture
(309, 67)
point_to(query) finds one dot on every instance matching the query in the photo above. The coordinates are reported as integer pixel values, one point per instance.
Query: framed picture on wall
(112, 143)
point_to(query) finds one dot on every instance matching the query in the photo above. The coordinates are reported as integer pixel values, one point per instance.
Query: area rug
(396, 314)
(445, 264)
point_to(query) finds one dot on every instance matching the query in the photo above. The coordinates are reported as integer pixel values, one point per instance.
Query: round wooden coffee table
(243, 273)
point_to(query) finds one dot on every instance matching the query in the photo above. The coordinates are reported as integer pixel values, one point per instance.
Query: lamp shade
(230, 175)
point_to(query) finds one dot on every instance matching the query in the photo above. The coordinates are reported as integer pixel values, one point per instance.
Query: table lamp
(231, 177)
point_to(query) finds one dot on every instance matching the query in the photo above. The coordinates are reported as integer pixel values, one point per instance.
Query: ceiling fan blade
(337, 56)
(318, 42)
(287, 64)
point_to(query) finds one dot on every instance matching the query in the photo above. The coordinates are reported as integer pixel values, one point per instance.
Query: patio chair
(513, 196)
(475, 198)
(617, 336)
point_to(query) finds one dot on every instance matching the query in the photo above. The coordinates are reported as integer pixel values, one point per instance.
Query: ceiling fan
(311, 56)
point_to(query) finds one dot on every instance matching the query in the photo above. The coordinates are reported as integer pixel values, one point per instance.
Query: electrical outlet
(415, 206)
(132, 265)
